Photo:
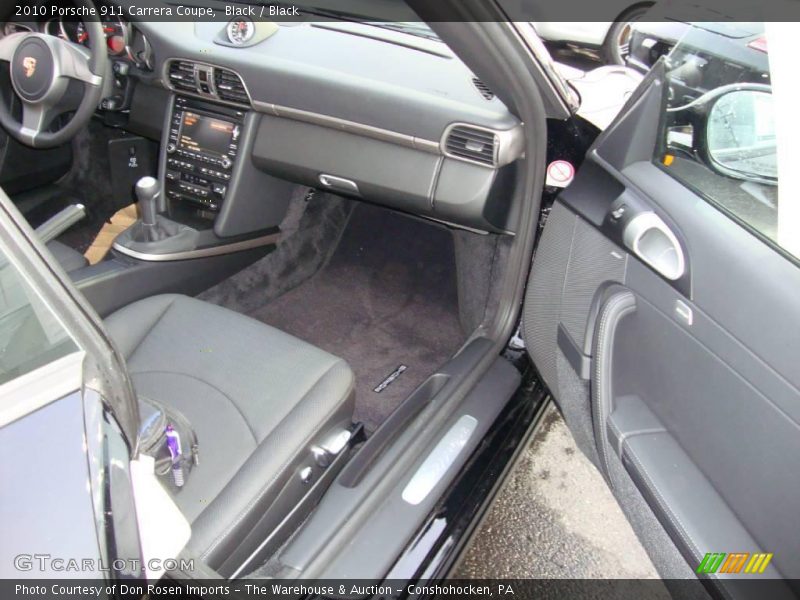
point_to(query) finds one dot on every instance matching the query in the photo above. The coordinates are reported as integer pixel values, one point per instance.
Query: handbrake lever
(60, 222)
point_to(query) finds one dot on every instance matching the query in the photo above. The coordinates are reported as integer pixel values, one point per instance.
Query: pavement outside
(555, 518)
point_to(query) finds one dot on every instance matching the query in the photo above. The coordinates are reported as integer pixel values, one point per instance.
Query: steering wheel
(41, 69)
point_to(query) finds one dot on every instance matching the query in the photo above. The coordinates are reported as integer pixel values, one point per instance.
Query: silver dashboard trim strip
(264, 240)
(509, 146)
(378, 133)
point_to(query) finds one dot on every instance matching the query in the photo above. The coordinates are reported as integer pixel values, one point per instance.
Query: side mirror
(740, 136)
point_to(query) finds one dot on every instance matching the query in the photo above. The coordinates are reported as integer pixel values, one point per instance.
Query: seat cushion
(255, 396)
(69, 258)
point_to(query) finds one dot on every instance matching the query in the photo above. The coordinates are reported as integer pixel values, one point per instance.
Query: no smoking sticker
(560, 173)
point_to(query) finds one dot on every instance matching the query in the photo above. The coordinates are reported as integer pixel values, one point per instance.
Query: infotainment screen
(200, 133)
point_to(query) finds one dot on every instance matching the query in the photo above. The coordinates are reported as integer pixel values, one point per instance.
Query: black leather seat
(257, 398)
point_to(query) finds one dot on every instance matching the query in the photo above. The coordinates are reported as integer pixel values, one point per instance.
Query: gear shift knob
(147, 191)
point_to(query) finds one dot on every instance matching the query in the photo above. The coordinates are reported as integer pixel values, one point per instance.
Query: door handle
(651, 239)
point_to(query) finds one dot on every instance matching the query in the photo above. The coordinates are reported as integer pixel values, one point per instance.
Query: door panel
(708, 425)
(573, 264)
(685, 391)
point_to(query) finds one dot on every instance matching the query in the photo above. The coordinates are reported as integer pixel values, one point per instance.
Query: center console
(209, 198)
(208, 211)
(202, 148)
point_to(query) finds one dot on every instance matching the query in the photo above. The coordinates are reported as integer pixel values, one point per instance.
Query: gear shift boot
(153, 233)
(166, 237)
(161, 229)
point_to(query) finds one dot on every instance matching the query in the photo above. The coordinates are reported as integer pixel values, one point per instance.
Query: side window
(719, 134)
(30, 335)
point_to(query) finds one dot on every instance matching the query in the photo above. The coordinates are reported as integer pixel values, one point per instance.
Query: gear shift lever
(147, 191)
(154, 233)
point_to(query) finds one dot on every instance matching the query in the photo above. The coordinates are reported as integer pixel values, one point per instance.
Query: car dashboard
(352, 108)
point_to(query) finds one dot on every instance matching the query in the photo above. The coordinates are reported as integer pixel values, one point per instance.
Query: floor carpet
(386, 298)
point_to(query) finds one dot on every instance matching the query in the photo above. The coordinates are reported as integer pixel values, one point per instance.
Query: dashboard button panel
(195, 174)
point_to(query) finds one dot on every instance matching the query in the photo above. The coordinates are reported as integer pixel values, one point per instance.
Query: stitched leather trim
(612, 312)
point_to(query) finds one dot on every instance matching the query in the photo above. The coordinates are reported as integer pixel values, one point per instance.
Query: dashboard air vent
(483, 88)
(471, 143)
(230, 86)
(181, 76)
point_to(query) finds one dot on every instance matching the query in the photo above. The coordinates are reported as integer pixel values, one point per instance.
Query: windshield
(414, 28)
(394, 15)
